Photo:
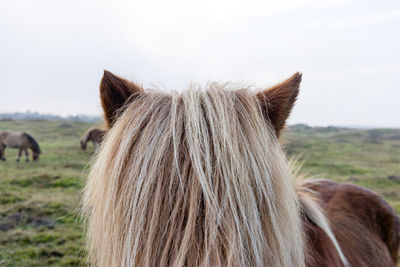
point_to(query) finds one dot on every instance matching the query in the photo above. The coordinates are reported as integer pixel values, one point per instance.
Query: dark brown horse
(22, 141)
(95, 135)
(199, 179)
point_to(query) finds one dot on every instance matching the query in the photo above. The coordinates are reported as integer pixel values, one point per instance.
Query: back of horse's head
(193, 178)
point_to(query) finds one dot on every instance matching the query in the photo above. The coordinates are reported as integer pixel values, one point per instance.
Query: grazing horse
(22, 141)
(199, 178)
(93, 134)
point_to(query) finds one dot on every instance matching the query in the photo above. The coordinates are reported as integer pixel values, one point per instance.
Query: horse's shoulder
(359, 214)
(355, 199)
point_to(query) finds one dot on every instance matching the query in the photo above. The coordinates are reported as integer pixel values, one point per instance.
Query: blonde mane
(193, 179)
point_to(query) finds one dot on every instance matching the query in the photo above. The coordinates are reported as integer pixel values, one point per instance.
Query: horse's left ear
(277, 102)
(114, 93)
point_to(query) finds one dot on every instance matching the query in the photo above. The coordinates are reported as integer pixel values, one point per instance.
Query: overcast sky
(53, 53)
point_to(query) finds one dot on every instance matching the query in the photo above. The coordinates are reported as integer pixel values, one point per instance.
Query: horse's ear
(277, 102)
(114, 92)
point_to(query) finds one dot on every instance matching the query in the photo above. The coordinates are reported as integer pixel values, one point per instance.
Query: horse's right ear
(277, 102)
(114, 92)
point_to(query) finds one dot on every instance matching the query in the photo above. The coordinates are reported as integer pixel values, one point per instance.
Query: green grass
(39, 224)
(364, 157)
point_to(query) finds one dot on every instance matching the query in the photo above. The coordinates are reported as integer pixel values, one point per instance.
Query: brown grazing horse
(199, 178)
(22, 141)
(95, 135)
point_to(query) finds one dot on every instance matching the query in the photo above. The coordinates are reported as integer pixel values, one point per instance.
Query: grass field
(39, 224)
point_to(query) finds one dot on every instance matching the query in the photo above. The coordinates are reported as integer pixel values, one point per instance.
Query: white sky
(52, 53)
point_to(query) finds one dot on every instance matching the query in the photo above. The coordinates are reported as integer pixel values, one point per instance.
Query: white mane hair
(193, 179)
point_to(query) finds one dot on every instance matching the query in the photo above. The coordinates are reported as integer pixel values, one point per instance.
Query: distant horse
(93, 134)
(22, 141)
(199, 178)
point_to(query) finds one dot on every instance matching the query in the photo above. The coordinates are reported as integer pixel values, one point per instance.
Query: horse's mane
(34, 145)
(194, 179)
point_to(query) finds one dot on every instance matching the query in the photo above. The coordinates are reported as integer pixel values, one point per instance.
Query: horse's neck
(86, 137)
(314, 214)
(28, 143)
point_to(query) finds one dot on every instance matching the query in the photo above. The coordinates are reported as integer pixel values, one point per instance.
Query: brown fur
(114, 92)
(322, 251)
(279, 100)
(365, 226)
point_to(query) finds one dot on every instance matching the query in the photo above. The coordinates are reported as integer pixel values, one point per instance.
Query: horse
(199, 178)
(93, 134)
(22, 141)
